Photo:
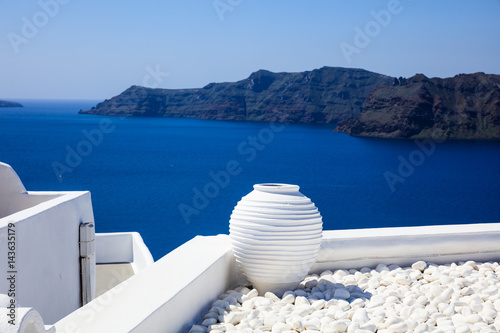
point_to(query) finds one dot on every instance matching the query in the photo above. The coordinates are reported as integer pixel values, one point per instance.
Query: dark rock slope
(466, 106)
(325, 95)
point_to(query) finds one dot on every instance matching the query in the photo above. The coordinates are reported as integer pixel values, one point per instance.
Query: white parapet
(40, 232)
(123, 247)
(167, 296)
(358, 248)
(119, 256)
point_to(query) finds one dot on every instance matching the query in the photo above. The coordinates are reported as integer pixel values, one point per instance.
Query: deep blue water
(141, 170)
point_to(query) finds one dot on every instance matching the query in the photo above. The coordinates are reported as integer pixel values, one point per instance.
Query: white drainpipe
(87, 262)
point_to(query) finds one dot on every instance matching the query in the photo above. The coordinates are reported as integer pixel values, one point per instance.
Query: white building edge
(59, 264)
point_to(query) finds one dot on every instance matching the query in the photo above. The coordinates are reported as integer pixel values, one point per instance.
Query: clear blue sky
(89, 49)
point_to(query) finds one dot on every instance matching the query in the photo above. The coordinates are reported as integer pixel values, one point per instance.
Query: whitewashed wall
(167, 296)
(403, 246)
(47, 250)
(121, 247)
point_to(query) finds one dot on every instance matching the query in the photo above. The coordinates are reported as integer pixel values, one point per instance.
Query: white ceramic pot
(276, 234)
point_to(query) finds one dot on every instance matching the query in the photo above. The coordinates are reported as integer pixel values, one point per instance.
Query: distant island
(8, 104)
(362, 103)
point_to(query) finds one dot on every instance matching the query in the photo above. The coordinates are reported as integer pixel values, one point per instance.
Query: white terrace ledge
(173, 293)
(119, 256)
(166, 296)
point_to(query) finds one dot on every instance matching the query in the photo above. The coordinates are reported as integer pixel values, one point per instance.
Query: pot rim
(276, 187)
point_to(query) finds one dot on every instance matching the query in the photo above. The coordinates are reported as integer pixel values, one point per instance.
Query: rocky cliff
(364, 103)
(466, 106)
(325, 95)
(8, 104)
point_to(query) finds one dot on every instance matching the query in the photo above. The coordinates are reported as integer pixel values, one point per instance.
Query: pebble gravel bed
(462, 297)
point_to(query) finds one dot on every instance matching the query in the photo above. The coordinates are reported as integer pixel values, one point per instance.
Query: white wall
(404, 246)
(10, 205)
(166, 296)
(114, 248)
(47, 250)
(123, 247)
(13, 195)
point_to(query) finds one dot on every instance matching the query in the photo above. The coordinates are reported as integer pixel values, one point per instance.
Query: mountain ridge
(362, 103)
(325, 95)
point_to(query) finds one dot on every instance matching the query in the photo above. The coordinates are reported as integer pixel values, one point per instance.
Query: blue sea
(172, 179)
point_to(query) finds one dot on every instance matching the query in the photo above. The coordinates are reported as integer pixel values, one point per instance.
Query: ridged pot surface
(273, 222)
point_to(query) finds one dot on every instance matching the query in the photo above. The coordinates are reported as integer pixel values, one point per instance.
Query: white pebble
(353, 328)
(393, 267)
(319, 304)
(360, 316)
(271, 296)
(254, 323)
(288, 299)
(312, 324)
(476, 306)
(342, 293)
(422, 300)
(270, 319)
(473, 318)
(248, 304)
(343, 305)
(421, 328)
(197, 328)
(419, 265)
(211, 315)
(324, 330)
(373, 283)
(462, 329)
(339, 326)
(235, 317)
(209, 321)
(252, 293)
(381, 267)
(436, 291)
(300, 292)
(281, 327)
(262, 301)
(301, 311)
(490, 312)
(301, 300)
(243, 290)
(297, 324)
(221, 304)
(311, 283)
(398, 328)
(403, 279)
(369, 326)
(318, 295)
